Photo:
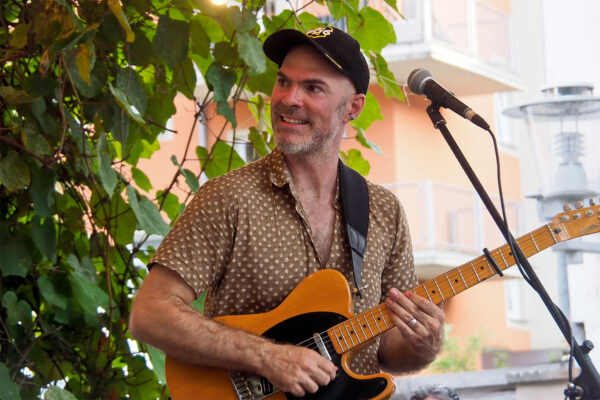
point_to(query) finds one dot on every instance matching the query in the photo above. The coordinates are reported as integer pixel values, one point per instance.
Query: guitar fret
(427, 292)
(349, 335)
(489, 266)
(502, 255)
(552, 233)
(534, 243)
(344, 338)
(368, 325)
(375, 320)
(450, 283)
(438, 288)
(363, 332)
(474, 270)
(463, 278)
(383, 318)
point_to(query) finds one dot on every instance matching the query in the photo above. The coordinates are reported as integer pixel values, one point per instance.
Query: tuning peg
(579, 204)
(567, 207)
(592, 202)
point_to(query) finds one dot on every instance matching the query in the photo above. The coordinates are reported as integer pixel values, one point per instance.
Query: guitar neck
(364, 327)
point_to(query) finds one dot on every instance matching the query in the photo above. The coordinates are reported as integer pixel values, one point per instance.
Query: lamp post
(561, 128)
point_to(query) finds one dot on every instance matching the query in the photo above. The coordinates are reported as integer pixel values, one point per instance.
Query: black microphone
(420, 81)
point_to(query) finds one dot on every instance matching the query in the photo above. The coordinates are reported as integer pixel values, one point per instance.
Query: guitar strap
(355, 204)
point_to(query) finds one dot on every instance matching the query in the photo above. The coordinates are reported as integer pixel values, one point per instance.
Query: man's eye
(315, 89)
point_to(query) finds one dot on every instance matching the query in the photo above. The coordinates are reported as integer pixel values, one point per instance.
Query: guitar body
(319, 302)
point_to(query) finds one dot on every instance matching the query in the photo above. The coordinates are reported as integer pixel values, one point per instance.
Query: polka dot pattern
(246, 241)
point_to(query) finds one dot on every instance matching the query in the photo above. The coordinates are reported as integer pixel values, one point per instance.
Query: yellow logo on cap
(321, 32)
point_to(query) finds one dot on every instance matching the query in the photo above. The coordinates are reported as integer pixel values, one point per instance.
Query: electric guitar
(316, 314)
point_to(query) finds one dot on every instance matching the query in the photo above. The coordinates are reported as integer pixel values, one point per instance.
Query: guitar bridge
(251, 387)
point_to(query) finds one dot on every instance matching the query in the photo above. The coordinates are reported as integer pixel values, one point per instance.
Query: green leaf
(370, 113)
(88, 295)
(84, 61)
(41, 191)
(190, 177)
(250, 50)
(87, 89)
(157, 357)
(372, 30)
(221, 80)
(361, 138)
(107, 175)
(258, 142)
(171, 40)
(18, 37)
(223, 159)
(56, 393)
(9, 388)
(15, 253)
(130, 83)
(355, 160)
(170, 205)
(36, 85)
(147, 214)
(242, 20)
(11, 95)
(184, 78)
(18, 311)
(117, 10)
(14, 173)
(140, 51)
(50, 294)
(44, 236)
(85, 268)
(341, 9)
(140, 179)
(34, 141)
(199, 39)
(386, 78)
(123, 102)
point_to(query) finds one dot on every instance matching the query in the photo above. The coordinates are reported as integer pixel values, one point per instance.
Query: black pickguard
(298, 329)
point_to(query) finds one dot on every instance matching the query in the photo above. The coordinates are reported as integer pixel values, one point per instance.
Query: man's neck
(314, 174)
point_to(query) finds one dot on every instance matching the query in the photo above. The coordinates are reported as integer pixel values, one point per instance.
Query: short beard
(319, 142)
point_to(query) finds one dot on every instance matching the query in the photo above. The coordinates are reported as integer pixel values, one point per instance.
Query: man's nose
(292, 96)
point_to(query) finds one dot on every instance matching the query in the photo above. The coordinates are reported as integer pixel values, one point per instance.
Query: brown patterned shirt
(245, 239)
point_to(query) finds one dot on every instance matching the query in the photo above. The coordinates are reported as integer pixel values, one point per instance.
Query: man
(249, 237)
(434, 392)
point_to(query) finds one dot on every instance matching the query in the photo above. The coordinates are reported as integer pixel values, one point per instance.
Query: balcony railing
(451, 218)
(470, 27)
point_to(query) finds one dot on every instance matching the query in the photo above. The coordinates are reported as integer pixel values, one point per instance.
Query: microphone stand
(587, 385)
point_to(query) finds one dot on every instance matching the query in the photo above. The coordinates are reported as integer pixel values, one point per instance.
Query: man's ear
(357, 102)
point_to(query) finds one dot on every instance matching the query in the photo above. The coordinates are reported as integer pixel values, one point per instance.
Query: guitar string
(530, 244)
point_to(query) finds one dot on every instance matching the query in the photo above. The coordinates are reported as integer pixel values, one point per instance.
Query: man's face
(310, 103)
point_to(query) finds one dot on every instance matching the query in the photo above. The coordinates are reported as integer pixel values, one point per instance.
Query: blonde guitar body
(319, 302)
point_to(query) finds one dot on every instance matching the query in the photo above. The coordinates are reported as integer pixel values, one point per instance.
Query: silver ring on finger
(412, 323)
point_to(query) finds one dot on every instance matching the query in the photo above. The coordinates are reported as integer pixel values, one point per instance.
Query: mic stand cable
(587, 384)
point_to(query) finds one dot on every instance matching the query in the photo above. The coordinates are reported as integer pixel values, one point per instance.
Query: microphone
(420, 81)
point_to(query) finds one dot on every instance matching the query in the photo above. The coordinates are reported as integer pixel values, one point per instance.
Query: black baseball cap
(340, 49)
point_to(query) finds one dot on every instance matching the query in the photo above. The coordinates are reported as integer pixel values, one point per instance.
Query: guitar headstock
(575, 222)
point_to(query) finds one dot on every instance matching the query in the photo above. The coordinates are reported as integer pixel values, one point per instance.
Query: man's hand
(296, 370)
(420, 324)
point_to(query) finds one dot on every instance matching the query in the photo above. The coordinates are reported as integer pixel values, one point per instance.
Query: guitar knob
(577, 215)
(567, 207)
(579, 204)
(565, 218)
(589, 213)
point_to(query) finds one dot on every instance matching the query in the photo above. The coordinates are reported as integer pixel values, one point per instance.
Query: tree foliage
(86, 88)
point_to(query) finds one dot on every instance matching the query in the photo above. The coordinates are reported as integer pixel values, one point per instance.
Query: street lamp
(563, 129)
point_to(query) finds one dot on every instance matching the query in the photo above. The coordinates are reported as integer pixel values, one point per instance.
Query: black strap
(355, 204)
